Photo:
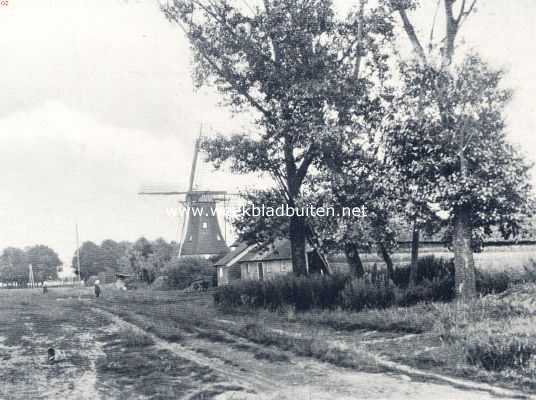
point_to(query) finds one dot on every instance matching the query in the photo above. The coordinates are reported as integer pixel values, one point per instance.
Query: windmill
(200, 234)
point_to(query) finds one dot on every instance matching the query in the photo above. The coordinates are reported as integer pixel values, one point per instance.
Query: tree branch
(305, 164)
(222, 71)
(452, 31)
(430, 44)
(464, 13)
(410, 31)
(359, 39)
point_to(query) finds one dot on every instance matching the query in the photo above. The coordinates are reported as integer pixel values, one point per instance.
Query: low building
(259, 262)
(266, 263)
(228, 268)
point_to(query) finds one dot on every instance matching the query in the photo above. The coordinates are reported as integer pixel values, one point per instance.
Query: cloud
(61, 165)
(121, 62)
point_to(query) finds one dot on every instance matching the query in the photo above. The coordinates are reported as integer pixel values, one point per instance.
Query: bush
(500, 352)
(528, 275)
(360, 294)
(492, 282)
(302, 293)
(429, 268)
(183, 271)
(435, 281)
(305, 293)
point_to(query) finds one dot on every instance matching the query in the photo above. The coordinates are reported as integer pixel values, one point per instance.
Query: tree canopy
(15, 262)
(305, 73)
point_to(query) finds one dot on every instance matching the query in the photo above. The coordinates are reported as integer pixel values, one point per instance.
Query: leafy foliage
(360, 294)
(143, 258)
(147, 260)
(182, 272)
(45, 262)
(14, 264)
(307, 74)
(497, 186)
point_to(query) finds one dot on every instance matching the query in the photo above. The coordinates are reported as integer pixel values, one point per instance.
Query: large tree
(90, 260)
(14, 266)
(297, 65)
(45, 262)
(476, 176)
(15, 262)
(148, 259)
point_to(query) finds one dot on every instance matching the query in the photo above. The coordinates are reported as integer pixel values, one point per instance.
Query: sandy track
(304, 378)
(249, 381)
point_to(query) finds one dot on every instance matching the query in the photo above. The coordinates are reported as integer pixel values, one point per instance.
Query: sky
(96, 100)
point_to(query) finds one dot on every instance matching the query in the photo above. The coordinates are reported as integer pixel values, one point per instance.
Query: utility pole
(78, 255)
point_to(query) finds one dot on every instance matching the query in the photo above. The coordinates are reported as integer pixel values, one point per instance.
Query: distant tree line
(143, 260)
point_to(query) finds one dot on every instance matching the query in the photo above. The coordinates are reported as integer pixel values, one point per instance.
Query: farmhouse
(259, 263)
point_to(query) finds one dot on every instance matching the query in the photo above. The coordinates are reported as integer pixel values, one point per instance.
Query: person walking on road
(97, 289)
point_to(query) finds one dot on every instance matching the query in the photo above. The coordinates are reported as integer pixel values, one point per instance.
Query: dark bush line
(301, 292)
(434, 283)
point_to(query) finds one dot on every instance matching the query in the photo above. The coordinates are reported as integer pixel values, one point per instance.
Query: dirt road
(108, 357)
(303, 378)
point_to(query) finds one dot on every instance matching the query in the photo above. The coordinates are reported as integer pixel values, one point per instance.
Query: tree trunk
(415, 237)
(464, 264)
(297, 245)
(354, 260)
(388, 261)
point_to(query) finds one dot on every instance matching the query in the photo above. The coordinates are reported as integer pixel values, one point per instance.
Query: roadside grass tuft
(417, 319)
(131, 338)
(271, 356)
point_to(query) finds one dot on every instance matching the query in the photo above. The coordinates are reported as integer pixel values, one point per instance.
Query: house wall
(270, 269)
(223, 276)
(227, 275)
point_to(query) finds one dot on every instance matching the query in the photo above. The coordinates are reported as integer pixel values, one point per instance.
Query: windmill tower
(200, 234)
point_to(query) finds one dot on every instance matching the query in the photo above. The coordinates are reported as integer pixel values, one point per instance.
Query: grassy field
(172, 345)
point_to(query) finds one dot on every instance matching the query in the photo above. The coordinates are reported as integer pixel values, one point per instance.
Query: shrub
(438, 289)
(528, 275)
(183, 271)
(500, 352)
(492, 282)
(360, 294)
(429, 268)
(435, 281)
(305, 293)
(302, 293)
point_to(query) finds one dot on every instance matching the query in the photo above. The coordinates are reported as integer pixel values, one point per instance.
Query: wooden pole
(78, 255)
